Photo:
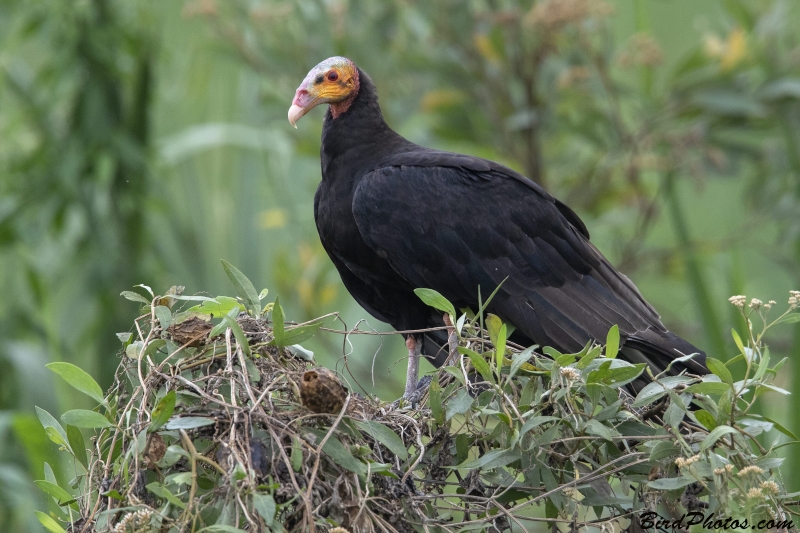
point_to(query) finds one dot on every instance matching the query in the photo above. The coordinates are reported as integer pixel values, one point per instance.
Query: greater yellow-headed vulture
(395, 216)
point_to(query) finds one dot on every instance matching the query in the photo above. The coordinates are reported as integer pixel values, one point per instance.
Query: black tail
(658, 350)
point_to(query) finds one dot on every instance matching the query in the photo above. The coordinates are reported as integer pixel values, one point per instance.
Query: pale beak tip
(295, 112)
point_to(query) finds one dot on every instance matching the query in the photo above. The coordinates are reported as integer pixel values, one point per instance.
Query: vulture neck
(358, 138)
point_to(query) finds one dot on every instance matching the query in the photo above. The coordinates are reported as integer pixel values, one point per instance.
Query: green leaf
(220, 528)
(719, 369)
(565, 360)
(708, 387)
(620, 374)
(738, 341)
(277, 325)
(162, 491)
(763, 365)
(791, 318)
(655, 390)
(298, 334)
(780, 428)
(134, 350)
(520, 359)
(297, 454)
(56, 437)
(492, 459)
(435, 402)
(612, 342)
(483, 305)
(500, 348)
(385, 436)
(437, 301)
(135, 297)
(717, 433)
(590, 356)
(78, 379)
(219, 306)
(338, 452)
(78, 445)
(164, 316)
(48, 523)
(671, 483)
(220, 328)
(61, 496)
(113, 493)
(462, 447)
(773, 388)
(479, 363)
(265, 506)
(663, 450)
(552, 352)
(675, 412)
(536, 421)
(706, 418)
(52, 428)
(163, 411)
(83, 418)
(148, 289)
(244, 288)
(493, 325)
(594, 427)
(241, 339)
(188, 422)
(637, 429)
(458, 404)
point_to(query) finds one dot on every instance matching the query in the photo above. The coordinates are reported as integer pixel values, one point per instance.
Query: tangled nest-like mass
(229, 428)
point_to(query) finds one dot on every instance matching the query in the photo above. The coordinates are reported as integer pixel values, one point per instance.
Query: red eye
(333, 75)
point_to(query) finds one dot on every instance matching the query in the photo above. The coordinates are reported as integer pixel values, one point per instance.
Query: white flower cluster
(681, 462)
(794, 299)
(570, 373)
(769, 487)
(752, 469)
(738, 301)
(133, 522)
(726, 470)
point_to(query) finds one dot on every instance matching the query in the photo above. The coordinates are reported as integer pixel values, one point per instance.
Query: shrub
(204, 430)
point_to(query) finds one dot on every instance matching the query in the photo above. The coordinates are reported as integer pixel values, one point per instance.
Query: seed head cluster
(134, 522)
(752, 469)
(570, 374)
(794, 299)
(739, 301)
(727, 469)
(682, 462)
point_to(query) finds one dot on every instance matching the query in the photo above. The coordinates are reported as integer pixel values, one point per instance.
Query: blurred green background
(143, 141)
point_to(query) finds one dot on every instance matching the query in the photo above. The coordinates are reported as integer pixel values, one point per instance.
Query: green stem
(700, 290)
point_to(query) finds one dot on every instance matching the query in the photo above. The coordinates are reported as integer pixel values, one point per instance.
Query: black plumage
(395, 216)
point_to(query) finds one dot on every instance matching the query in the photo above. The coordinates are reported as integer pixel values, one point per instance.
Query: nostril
(301, 92)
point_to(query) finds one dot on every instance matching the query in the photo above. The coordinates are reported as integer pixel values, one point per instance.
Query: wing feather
(459, 227)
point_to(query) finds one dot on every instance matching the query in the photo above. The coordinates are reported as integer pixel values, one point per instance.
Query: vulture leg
(412, 373)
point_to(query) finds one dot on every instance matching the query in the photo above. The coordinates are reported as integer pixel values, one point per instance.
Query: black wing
(474, 223)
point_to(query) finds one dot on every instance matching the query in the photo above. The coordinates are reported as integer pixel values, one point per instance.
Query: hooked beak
(303, 103)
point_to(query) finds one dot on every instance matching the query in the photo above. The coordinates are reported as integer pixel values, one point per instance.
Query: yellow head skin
(334, 82)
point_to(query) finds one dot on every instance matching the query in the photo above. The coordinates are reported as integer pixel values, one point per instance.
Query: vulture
(394, 216)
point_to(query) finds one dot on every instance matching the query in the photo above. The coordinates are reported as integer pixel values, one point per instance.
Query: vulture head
(334, 82)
